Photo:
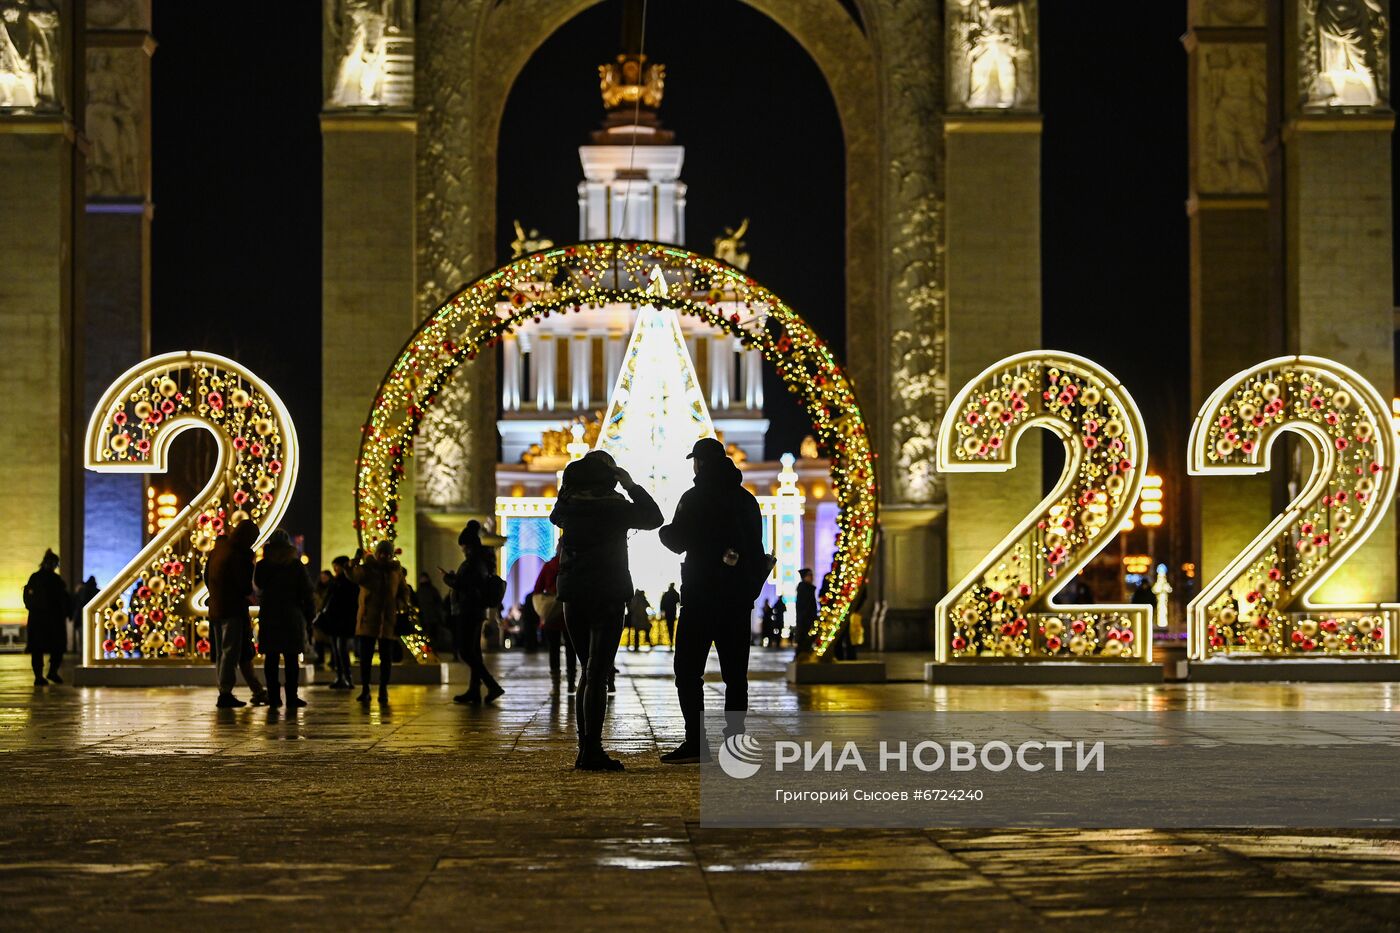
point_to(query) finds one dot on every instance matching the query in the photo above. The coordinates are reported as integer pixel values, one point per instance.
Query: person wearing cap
(46, 597)
(595, 582)
(719, 529)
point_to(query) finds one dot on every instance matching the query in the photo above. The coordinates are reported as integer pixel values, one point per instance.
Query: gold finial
(630, 80)
(527, 243)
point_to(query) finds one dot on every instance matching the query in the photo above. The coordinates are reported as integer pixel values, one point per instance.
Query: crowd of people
(581, 606)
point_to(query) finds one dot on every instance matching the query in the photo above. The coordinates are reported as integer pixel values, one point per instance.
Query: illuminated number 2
(1005, 608)
(154, 607)
(1260, 605)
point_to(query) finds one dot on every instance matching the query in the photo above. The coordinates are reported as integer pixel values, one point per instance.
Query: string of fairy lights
(1259, 605)
(1001, 609)
(568, 279)
(153, 608)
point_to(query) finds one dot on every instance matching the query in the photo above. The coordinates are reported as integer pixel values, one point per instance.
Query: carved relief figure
(1232, 12)
(527, 243)
(29, 45)
(113, 126)
(1235, 99)
(727, 247)
(993, 65)
(372, 45)
(1344, 52)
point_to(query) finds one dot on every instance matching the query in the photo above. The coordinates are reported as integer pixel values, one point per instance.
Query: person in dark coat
(430, 607)
(670, 602)
(595, 582)
(46, 597)
(470, 601)
(336, 620)
(229, 576)
(805, 623)
(719, 529)
(84, 594)
(284, 605)
(775, 637)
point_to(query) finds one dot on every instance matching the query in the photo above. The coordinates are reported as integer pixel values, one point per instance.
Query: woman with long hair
(595, 582)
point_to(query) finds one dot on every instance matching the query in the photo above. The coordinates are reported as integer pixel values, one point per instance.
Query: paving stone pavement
(147, 809)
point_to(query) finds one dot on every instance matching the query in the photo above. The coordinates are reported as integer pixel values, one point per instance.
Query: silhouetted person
(229, 576)
(46, 597)
(775, 637)
(766, 621)
(284, 605)
(551, 613)
(431, 610)
(470, 599)
(1142, 595)
(638, 621)
(719, 529)
(86, 593)
(381, 581)
(805, 621)
(340, 610)
(670, 603)
(595, 582)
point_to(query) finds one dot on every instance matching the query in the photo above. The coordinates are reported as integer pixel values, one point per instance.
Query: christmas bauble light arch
(566, 279)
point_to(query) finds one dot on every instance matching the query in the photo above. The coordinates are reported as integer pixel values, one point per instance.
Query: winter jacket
(806, 621)
(670, 600)
(229, 575)
(593, 548)
(46, 597)
(381, 595)
(468, 583)
(715, 515)
(341, 609)
(284, 601)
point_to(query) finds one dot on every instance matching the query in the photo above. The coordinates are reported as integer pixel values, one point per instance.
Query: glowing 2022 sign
(1260, 605)
(1004, 609)
(153, 609)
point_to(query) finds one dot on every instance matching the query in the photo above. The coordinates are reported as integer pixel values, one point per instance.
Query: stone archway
(564, 279)
(885, 75)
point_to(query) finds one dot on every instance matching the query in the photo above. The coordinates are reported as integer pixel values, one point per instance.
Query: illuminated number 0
(1260, 604)
(154, 607)
(1005, 608)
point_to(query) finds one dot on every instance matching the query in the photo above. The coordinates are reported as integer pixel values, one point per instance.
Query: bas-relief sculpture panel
(1230, 13)
(991, 54)
(31, 46)
(1344, 53)
(1232, 99)
(115, 110)
(370, 53)
(118, 14)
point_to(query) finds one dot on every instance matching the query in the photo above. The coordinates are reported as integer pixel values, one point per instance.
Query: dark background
(237, 259)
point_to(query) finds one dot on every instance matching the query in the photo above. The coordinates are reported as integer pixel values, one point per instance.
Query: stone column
(512, 382)
(1338, 225)
(40, 188)
(580, 371)
(544, 365)
(992, 139)
(1234, 318)
(368, 261)
(721, 359)
(753, 380)
(116, 257)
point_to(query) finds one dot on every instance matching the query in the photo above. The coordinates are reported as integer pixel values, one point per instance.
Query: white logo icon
(740, 756)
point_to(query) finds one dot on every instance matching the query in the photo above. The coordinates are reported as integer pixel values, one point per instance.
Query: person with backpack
(475, 589)
(719, 529)
(595, 582)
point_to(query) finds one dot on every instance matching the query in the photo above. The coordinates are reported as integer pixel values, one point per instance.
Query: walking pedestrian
(229, 576)
(775, 637)
(381, 580)
(556, 635)
(339, 612)
(670, 602)
(474, 591)
(719, 529)
(284, 605)
(46, 597)
(595, 582)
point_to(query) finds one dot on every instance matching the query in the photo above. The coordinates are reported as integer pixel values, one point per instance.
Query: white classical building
(644, 372)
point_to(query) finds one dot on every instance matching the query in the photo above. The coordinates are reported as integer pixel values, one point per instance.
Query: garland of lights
(567, 279)
(1260, 604)
(154, 607)
(1004, 608)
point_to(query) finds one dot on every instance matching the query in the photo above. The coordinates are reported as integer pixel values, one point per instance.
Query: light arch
(563, 279)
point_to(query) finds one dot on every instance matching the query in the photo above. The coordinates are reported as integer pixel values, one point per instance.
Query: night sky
(237, 256)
